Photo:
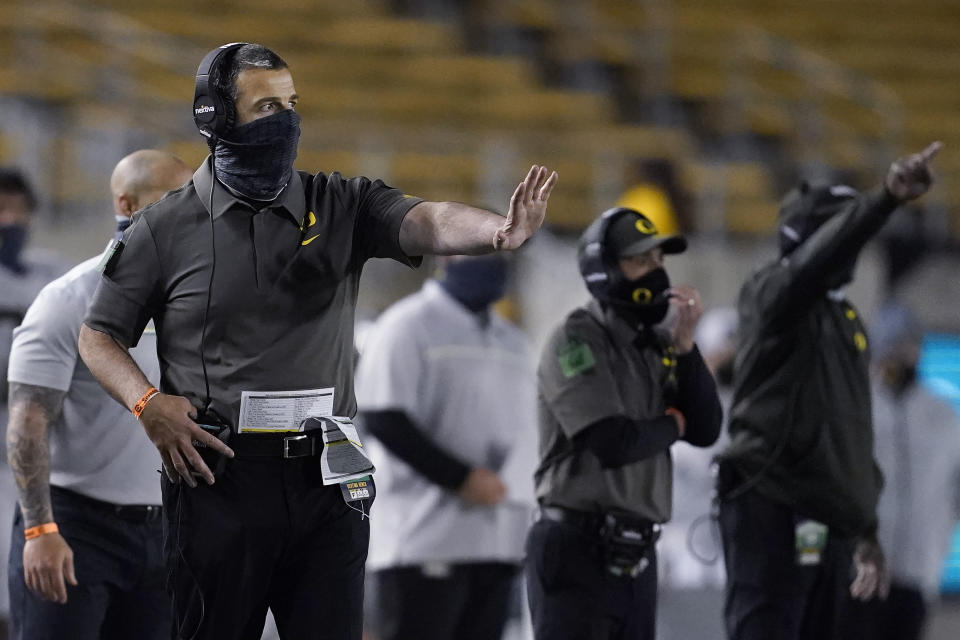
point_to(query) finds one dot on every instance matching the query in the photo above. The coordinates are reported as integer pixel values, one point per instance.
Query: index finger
(931, 151)
(212, 441)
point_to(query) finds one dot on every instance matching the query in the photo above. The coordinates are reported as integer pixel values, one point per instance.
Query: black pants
(901, 616)
(469, 603)
(266, 534)
(573, 595)
(769, 595)
(120, 570)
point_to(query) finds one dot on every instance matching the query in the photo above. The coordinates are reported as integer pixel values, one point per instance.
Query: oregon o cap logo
(646, 227)
(642, 296)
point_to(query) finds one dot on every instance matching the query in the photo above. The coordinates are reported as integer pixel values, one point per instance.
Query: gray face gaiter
(257, 160)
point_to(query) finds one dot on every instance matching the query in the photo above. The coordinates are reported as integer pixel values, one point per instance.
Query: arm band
(618, 440)
(40, 529)
(403, 439)
(142, 402)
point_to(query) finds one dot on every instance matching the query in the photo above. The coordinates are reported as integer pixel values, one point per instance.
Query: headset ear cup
(599, 270)
(207, 96)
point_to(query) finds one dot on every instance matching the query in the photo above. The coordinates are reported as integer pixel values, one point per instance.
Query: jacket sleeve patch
(111, 257)
(575, 357)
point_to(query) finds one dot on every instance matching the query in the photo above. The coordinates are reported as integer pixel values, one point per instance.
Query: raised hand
(688, 308)
(910, 177)
(528, 206)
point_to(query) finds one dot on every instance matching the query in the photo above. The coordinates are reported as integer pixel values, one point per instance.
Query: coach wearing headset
(616, 388)
(251, 273)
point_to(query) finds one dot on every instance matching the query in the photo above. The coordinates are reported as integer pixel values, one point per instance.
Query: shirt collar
(291, 199)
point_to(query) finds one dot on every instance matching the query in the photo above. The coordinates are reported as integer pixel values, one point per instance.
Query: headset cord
(213, 267)
(709, 519)
(206, 404)
(193, 576)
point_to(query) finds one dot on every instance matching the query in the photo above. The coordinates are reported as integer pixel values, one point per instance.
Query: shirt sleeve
(404, 439)
(380, 212)
(697, 399)
(44, 349)
(129, 291)
(576, 379)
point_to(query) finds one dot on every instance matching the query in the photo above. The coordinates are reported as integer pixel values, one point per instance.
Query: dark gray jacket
(800, 424)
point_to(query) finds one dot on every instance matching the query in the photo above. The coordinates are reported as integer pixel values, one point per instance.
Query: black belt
(137, 512)
(130, 512)
(299, 445)
(597, 523)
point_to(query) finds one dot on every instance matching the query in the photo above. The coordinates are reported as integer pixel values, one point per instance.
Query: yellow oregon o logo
(642, 296)
(860, 340)
(645, 227)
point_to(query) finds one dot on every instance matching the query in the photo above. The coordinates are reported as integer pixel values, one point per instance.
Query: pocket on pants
(563, 557)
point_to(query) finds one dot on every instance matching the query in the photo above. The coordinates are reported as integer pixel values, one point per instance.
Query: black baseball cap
(632, 233)
(806, 207)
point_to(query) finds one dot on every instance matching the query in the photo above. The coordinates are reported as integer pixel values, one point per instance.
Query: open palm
(528, 207)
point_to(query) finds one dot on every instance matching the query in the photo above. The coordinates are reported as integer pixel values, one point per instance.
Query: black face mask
(13, 238)
(122, 225)
(257, 160)
(476, 282)
(642, 301)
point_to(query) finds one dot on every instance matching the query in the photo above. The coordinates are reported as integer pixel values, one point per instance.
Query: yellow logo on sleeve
(860, 340)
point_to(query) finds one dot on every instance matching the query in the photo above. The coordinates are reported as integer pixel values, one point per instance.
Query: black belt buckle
(299, 446)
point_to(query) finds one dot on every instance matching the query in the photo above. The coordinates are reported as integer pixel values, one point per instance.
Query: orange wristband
(144, 399)
(40, 529)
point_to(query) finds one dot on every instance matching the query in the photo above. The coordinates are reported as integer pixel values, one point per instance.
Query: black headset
(213, 114)
(597, 267)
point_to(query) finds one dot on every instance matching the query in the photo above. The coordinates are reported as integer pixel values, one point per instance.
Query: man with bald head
(142, 178)
(86, 558)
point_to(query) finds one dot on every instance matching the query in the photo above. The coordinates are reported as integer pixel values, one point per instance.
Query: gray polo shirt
(97, 447)
(594, 367)
(284, 287)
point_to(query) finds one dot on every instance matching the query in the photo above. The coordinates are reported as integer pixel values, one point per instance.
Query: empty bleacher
(419, 101)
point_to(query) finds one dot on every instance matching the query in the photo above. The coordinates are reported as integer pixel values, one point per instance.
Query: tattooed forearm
(32, 409)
